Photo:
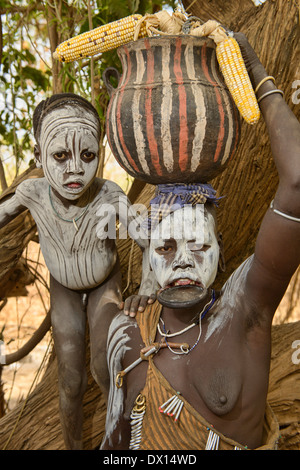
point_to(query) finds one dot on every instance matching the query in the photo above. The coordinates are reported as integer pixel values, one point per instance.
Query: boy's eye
(60, 156)
(88, 156)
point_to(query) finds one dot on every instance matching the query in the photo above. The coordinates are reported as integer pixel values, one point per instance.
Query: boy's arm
(133, 219)
(147, 290)
(9, 209)
(136, 219)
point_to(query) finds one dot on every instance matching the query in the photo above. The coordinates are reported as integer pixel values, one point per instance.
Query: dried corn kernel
(101, 39)
(237, 79)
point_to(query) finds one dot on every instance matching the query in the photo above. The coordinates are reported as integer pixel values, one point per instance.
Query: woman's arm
(277, 251)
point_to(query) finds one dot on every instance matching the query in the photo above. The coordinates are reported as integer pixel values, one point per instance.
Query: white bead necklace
(184, 350)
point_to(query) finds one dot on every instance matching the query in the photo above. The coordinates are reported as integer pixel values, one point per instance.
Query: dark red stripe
(148, 109)
(183, 129)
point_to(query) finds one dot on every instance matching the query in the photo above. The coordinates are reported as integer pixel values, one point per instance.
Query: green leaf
(38, 77)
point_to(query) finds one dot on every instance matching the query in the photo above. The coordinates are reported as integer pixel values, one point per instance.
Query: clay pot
(171, 118)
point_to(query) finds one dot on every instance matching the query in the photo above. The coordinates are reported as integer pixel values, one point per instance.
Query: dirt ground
(22, 316)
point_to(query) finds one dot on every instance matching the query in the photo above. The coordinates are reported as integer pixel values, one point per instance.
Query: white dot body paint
(185, 246)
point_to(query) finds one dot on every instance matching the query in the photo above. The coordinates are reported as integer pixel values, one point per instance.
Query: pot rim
(159, 40)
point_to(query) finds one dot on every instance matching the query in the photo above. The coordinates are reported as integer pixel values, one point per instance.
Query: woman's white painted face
(184, 249)
(69, 150)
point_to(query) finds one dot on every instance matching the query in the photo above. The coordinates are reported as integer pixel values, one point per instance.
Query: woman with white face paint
(85, 278)
(184, 249)
(192, 371)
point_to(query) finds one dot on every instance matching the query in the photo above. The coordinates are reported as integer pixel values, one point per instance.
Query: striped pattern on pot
(172, 118)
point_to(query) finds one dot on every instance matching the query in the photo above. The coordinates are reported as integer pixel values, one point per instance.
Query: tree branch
(54, 41)
(35, 339)
(89, 8)
(3, 181)
(12, 8)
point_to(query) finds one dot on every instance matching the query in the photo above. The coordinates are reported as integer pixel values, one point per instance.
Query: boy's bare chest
(73, 253)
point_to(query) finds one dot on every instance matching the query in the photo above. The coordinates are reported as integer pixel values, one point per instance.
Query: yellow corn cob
(237, 79)
(101, 39)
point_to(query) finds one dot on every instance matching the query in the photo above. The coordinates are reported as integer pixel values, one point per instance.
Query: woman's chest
(211, 381)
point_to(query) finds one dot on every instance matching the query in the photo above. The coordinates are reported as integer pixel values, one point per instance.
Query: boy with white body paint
(206, 364)
(85, 277)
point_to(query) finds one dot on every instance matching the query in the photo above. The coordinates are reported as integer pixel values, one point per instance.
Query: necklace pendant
(75, 225)
(172, 407)
(74, 220)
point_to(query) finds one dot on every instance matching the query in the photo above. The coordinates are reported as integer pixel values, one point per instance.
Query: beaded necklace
(184, 349)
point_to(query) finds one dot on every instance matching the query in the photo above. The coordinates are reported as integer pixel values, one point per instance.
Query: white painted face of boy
(190, 255)
(69, 148)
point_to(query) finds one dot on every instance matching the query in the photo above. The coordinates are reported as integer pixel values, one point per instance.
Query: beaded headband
(171, 197)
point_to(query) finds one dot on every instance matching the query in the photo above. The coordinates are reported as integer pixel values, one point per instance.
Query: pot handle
(106, 75)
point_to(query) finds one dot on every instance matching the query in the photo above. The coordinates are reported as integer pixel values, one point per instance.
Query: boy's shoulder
(107, 187)
(108, 183)
(32, 185)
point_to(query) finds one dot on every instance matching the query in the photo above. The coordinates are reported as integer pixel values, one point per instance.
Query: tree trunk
(284, 384)
(3, 183)
(54, 37)
(249, 184)
(227, 12)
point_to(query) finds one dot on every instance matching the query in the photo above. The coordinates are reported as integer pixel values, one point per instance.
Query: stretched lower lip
(183, 282)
